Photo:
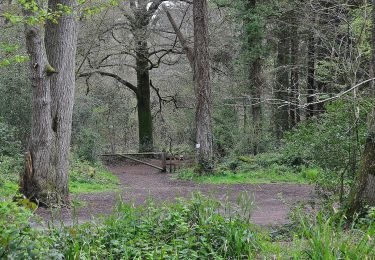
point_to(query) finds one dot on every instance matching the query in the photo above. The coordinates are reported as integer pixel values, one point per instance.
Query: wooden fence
(167, 160)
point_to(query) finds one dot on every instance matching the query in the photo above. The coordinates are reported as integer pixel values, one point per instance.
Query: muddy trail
(138, 183)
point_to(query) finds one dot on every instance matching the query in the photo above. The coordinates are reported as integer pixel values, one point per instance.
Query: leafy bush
(88, 144)
(187, 230)
(14, 228)
(10, 167)
(9, 145)
(327, 239)
(330, 142)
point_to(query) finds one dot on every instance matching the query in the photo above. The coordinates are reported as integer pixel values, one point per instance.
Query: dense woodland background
(290, 89)
(284, 76)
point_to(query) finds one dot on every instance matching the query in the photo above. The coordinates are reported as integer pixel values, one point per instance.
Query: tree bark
(256, 108)
(61, 52)
(372, 64)
(52, 55)
(310, 75)
(282, 84)
(37, 183)
(143, 82)
(294, 78)
(255, 80)
(363, 191)
(202, 86)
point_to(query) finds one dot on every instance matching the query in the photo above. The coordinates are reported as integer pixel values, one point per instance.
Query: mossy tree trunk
(143, 101)
(37, 182)
(52, 58)
(143, 95)
(61, 52)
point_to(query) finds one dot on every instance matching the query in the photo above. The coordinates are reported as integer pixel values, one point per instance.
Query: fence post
(164, 161)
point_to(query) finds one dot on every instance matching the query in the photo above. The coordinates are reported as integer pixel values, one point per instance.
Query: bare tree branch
(112, 75)
(188, 49)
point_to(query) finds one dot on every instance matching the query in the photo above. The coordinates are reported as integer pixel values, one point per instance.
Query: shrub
(9, 145)
(186, 230)
(327, 239)
(88, 144)
(327, 142)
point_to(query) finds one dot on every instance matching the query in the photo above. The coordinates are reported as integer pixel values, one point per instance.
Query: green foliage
(8, 189)
(224, 132)
(263, 168)
(86, 177)
(9, 145)
(88, 145)
(14, 227)
(329, 142)
(15, 98)
(192, 229)
(327, 239)
(10, 167)
(187, 230)
(11, 161)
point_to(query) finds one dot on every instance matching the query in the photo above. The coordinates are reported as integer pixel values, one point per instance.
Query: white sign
(198, 146)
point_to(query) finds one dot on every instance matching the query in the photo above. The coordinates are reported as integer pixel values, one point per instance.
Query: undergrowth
(85, 177)
(188, 229)
(264, 168)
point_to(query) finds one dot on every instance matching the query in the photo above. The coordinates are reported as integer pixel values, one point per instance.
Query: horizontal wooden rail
(153, 153)
(163, 169)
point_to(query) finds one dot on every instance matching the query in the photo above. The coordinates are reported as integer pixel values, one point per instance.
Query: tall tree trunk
(202, 86)
(255, 78)
(310, 75)
(37, 183)
(282, 84)
(256, 108)
(372, 64)
(294, 78)
(363, 191)
(52, 55)
(143, 91)
(61, 52)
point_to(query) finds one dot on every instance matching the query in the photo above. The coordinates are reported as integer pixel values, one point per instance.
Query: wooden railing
(167, 159)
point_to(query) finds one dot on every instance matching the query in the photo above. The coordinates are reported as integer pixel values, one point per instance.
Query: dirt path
(140, 182)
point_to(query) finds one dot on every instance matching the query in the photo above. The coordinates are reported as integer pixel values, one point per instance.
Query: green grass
(259, 177)
(262, 176)
(109, 182)
(87, 178)
(84, 178)
(261, 169)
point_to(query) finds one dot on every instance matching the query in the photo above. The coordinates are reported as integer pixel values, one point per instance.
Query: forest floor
(138, 183)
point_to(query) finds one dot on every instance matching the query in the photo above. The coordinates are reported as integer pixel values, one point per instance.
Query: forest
(187, 129)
